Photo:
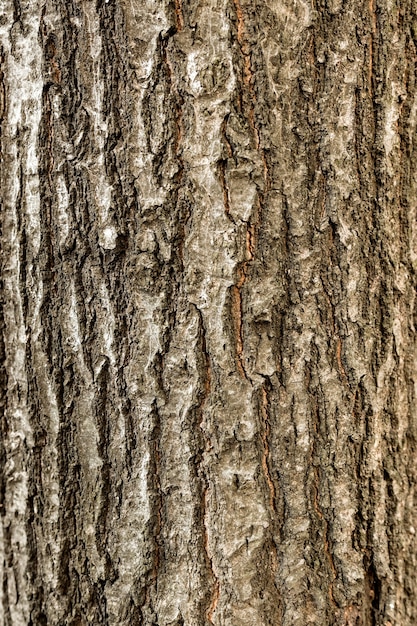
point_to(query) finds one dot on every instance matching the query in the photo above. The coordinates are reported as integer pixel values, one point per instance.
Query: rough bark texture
(209, 256)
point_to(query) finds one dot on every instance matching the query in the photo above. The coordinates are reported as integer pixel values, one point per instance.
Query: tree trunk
(209, 263)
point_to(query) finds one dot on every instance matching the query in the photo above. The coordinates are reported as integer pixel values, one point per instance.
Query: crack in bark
(266, 460)
(318, 510)
(225, 189)
(247, 69)
(342, 370)
(372, 582)
(179, 125)
(248, 80)
(328, 296)
(216, 586)
(236, 294)
(222, 165)
(155, 477)
(266, 451)
(372, 38)
(103, 429)
(206, 487)
(179, 15)
(326, 542)
(237, 321)
(254, 223)
(3, 91)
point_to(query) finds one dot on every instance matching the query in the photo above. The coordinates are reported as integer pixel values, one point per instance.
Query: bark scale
(209, 254)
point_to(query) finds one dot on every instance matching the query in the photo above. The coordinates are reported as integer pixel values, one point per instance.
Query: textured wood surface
(209, 255)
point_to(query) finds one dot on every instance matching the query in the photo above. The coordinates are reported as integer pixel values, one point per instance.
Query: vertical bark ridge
(21, 84)
(233, 440)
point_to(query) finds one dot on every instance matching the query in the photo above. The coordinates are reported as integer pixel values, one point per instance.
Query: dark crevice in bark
(269, 591)
(35, 503)
(4, 382)
(365, 517)
(4, 425)
(236, 313)
(7, 572)
(3, 96)
(129, 419)
(248, 105)
(317, 464)
(221, 168)
(264, 412)
(247, 70)
(157, 516)
(373, 589)
(70, 484)
(103, 427)
(163, 79)
(117, 110)
(179, 15)
(86, 317)
(204, 445)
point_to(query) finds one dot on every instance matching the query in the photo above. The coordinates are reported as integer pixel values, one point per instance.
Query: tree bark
(209, 363)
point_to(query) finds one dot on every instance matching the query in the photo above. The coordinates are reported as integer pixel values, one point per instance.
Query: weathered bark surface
(209, 255)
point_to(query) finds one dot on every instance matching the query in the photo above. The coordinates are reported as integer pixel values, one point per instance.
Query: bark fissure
(202, 470)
